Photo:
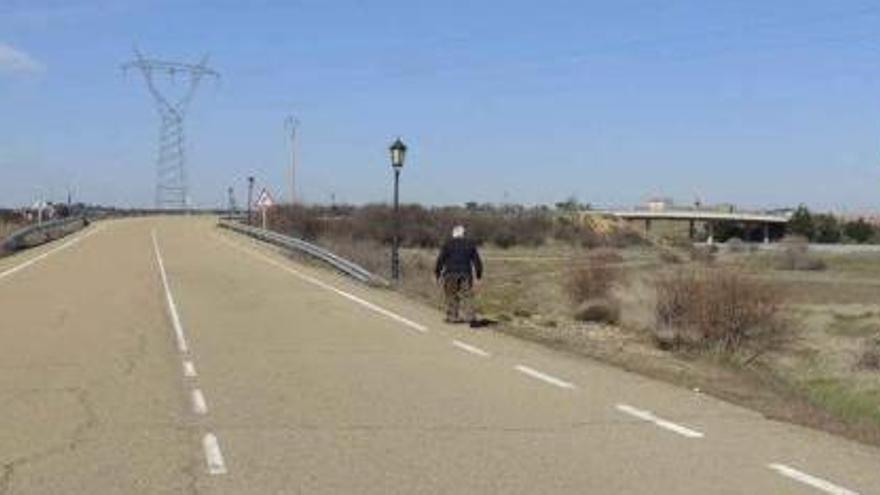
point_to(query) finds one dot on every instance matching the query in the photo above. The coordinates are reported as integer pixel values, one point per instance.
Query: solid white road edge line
(198, 402)
(662, 423)
(470, 348)
(182, 346)
(351, 297)
(189, 369)
(45, 255)
(818, 483)
(543, 376)
(213, 456)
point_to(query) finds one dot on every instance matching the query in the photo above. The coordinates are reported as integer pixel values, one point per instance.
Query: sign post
(264, 202)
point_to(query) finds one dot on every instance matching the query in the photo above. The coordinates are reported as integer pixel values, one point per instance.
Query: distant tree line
(827, 228)
(427, 227)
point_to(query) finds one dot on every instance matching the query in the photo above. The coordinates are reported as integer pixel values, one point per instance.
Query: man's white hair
(458, 231)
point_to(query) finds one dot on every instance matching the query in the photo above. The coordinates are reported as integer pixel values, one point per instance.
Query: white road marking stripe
(662, 423)
(189, 369)
(543, 376)
(818, 483)
(351, 297)
(182, 346)
(213, 456)
(45, 255)
(470, 348)
(198, 402)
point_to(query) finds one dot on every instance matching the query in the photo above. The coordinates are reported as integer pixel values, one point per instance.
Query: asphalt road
(165, 356)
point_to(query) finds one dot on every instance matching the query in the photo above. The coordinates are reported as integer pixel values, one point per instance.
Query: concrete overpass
(709, 217)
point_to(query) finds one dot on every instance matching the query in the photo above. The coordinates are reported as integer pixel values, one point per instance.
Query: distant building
(659, 204)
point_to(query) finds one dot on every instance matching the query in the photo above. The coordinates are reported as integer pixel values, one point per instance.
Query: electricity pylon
(172, 188)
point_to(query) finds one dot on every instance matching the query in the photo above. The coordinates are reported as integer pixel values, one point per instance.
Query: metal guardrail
(343, 265)
(34, 235)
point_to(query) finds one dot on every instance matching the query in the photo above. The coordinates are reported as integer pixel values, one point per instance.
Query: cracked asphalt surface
(310, 391)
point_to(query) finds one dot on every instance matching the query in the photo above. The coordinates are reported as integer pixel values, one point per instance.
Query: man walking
(457, 265)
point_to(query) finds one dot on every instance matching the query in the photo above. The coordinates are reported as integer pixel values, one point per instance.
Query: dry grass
(603, 310)
(795, 256)
(592, 276)
(589, 283)
(869, 358)
(718, 308)
(7, 227)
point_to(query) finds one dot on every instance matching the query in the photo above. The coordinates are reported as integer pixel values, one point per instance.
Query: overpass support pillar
(766, 233)
(647, 225)
(692, 230)
(711, 226)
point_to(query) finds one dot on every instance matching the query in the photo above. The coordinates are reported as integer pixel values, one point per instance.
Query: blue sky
(758, 103)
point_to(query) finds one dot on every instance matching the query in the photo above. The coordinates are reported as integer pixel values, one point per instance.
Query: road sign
(264, 200)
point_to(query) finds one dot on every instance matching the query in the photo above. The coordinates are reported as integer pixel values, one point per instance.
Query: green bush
(859, 231)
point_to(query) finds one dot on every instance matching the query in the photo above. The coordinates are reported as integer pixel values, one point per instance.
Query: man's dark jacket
(459, 257)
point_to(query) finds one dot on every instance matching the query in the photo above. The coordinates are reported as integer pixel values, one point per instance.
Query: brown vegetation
(592, 275)
(869, 359)
(420, 227)
(718, 308)
(795, 256)
(589, 284)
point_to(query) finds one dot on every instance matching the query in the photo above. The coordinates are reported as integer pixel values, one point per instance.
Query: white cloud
(14, 61)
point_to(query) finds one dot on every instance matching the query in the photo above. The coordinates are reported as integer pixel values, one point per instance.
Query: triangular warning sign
(264, 200)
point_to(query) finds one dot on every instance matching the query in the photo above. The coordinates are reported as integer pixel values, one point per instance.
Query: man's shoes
(454, 321)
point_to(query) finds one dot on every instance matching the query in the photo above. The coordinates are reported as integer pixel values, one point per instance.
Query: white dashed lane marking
(662, 423)
(213, 455)
(198, 402)
(189, 369)
(210, 445)
(182, 345)
(539, 375)
(469, 348)
(810, 480)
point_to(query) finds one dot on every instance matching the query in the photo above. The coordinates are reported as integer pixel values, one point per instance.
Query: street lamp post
(250, 199)
(398, 154)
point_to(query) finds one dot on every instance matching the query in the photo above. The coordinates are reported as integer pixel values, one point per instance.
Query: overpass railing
(34, 235)
(293, 244)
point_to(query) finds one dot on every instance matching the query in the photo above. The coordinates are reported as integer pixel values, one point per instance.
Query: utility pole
(250, 199)
(172, 188)
(291, 123)
(230, 194)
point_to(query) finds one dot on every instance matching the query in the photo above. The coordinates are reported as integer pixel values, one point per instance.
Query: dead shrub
(869, 359)
(592, 276)
(605, 310)
(669, 256)
(735, 245)
(703, 254)
(795, 255)
(715, 308)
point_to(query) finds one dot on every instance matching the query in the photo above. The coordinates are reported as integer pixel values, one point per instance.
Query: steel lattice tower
(172, 189)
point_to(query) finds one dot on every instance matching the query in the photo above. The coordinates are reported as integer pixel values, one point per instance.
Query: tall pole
(395, 246)
(291, 124)
(250, 200)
